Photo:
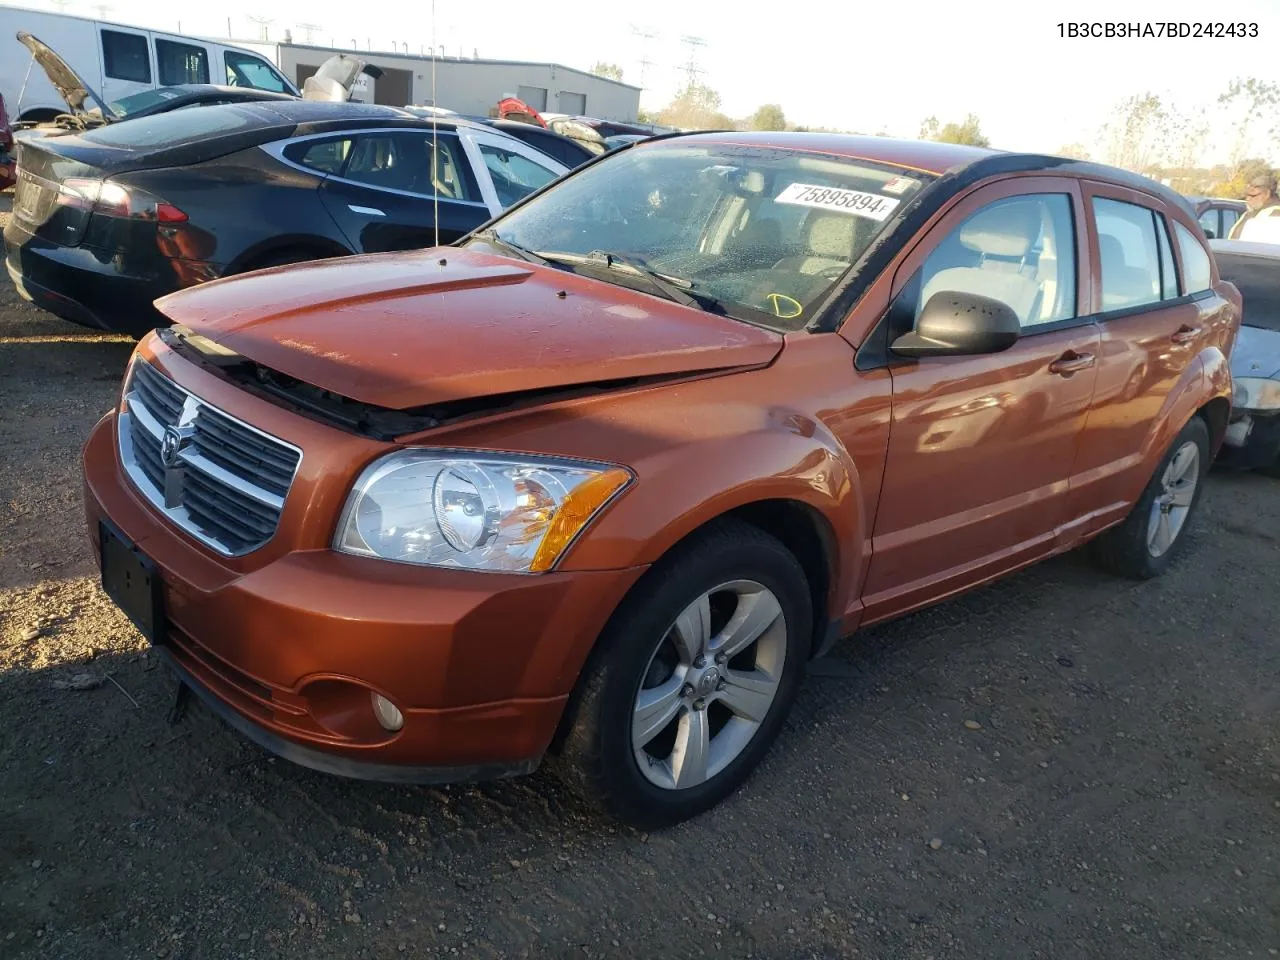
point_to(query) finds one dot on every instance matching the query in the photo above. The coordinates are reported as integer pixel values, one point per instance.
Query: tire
(640, 653)
(1132, 548)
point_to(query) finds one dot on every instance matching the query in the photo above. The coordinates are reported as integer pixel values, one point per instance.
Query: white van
(117, 61)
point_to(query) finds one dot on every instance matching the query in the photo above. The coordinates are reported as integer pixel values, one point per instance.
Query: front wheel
(1144, 544)
(692, 679)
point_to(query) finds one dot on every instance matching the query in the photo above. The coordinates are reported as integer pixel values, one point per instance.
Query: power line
(310, 29)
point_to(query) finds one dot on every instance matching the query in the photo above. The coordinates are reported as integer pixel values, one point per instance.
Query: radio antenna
(435, 143)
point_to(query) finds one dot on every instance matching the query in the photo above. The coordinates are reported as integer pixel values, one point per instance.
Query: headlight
(1256, 393)
(476, 511)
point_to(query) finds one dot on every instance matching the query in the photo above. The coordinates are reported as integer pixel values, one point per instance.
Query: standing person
(1260, 197)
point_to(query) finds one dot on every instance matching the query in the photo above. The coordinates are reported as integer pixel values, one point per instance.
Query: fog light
(387, 713)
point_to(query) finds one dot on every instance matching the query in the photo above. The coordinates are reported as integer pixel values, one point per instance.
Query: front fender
(786, 456)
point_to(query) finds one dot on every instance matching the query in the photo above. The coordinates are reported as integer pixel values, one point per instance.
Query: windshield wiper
(672, 288)
(491, 236)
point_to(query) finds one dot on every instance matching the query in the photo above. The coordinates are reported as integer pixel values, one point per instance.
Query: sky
(866, 67)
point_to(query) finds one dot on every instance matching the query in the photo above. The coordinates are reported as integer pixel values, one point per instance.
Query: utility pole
(103, 9)
(647, 37)
(309, 29)
(263, 23)
(691, 68)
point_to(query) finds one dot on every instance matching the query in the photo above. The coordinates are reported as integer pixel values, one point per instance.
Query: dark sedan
(105, 222)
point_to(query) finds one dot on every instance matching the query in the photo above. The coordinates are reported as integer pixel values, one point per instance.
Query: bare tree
(1136, 135)
(1250, 105)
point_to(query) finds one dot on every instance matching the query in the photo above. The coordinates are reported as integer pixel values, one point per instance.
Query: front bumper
(1252, 441)
(290, 641)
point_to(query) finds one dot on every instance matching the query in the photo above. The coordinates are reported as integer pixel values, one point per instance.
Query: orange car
(602, 478)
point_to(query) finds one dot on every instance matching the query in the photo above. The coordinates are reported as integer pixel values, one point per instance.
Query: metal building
(472, 85)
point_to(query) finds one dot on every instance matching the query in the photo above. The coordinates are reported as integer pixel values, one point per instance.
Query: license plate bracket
(132, 581)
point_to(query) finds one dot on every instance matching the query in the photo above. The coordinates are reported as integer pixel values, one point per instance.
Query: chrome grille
(214, 476)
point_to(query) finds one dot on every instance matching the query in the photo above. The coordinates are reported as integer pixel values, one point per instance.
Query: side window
(1209, 222)
(1168, 272)
(1195, 262)
(325, 156)
(1020, 251)
(514, 175)
(125, 56)
(181, 63)
(1129, 257)
(1229, 218)
(246, 71)
(403, 161)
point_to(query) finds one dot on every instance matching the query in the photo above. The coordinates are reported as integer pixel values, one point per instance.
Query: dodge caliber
(597, 481)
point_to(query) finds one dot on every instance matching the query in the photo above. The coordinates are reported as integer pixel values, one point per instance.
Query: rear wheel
(1144, 544)
(692, 680)
(283, 258)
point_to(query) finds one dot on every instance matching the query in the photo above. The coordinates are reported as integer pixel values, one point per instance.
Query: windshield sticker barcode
(856, 202)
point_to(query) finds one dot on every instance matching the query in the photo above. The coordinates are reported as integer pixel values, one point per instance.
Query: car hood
(1256, 353)
(427, 327)
(65, 80)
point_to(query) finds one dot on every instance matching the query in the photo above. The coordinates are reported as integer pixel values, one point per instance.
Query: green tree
(695, 107)
(768, 117)
(610, 70)
(969, 132)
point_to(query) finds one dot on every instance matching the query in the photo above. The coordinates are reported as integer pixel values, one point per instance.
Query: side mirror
(960, 324)
(1209, 233)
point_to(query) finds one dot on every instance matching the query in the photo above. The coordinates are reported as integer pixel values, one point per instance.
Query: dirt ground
(1062, 765)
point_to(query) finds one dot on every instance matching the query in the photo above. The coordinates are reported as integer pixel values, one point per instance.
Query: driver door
(981, 448)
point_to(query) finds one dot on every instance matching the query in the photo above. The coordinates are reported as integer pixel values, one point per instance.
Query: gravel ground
(1062, 765)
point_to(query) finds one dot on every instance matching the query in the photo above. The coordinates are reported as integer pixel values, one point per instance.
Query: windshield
(1258, 280)
(758, 233)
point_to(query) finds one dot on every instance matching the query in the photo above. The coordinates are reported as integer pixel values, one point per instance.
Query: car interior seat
(999, 242)
(1123, 285)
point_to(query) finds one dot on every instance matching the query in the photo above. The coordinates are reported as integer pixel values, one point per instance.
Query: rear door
(387, 194)
(127, 65)
(1156, 310)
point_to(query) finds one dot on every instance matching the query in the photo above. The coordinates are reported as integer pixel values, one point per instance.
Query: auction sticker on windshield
(860, 204)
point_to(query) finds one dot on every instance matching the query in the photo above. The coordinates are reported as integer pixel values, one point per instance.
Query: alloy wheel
(1172, 505)
(709, 685)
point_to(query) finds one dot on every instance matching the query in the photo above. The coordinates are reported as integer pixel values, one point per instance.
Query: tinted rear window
(178, 127)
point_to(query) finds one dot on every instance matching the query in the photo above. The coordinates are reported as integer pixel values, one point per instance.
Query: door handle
(1071, 362)
(367, 211)
(1186, 333)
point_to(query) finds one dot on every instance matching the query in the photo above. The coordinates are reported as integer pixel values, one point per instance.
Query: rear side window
(181, 63)
(1168, 272)
(325, 156)
(1129, 254)
(1020, 251)
(246, 71)
(402, 161)
(1229, 218)
(1195, 262)
(125, 57)
(514, 176)
(1209, 222)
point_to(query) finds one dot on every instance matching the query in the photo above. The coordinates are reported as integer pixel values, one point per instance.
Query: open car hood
(429, 327)
(336, 78)
(66, 81)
